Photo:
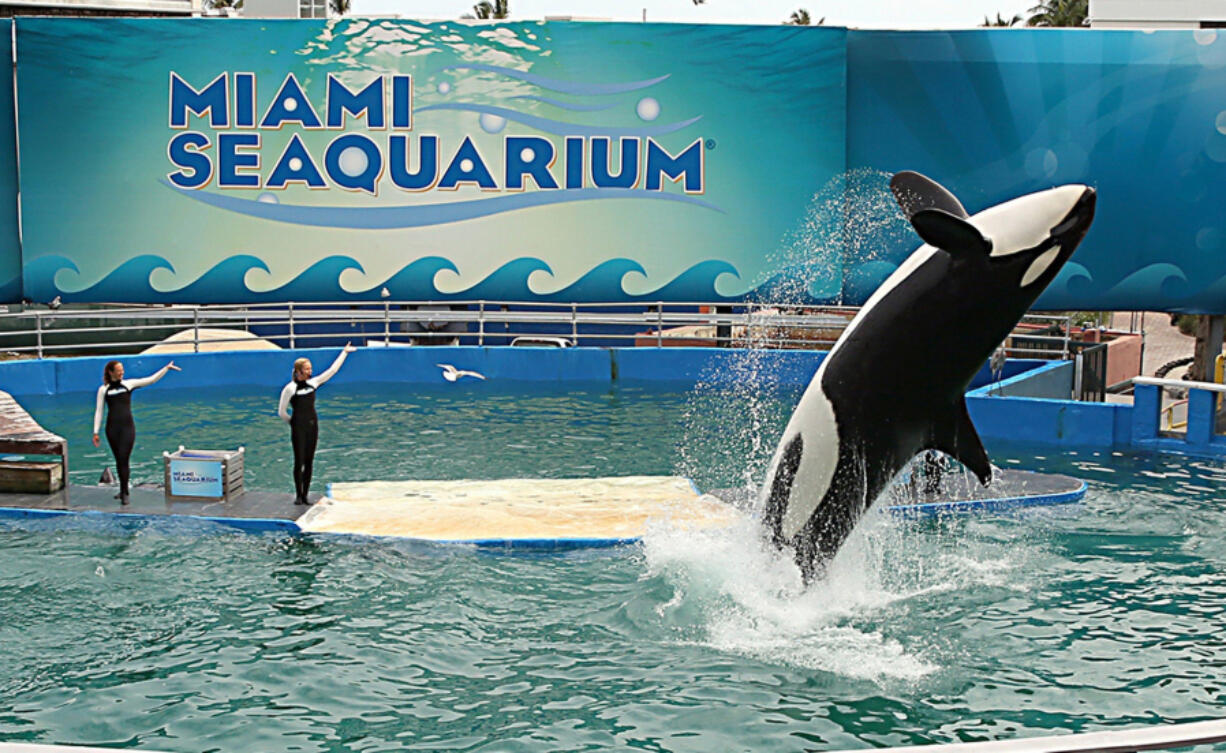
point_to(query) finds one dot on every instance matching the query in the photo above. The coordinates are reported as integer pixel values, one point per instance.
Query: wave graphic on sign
(557, 85)
(561, 127)
(421, 215)
(133, 281)
(572, 106)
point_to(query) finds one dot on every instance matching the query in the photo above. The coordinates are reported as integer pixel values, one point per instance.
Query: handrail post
(291, 325)
(574, 323)
(659, 324)
(480, 322)
(195, 329)
(387, 323)
(38, 326)
(1078, 374)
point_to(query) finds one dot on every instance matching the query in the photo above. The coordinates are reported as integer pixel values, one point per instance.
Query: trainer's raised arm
(152, 378)
(335, 367)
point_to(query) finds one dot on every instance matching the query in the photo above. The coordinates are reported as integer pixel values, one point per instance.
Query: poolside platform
(250, 511)
(528, 513)
(517, 513)
(524, 512)
(21, 434)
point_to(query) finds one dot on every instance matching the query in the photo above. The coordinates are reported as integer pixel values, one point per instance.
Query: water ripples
(188, 637)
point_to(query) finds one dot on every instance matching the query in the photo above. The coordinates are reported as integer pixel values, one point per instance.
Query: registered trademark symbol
(710, 144)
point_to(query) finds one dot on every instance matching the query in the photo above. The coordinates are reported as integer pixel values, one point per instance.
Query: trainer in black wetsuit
(299, 394)
(116, 393)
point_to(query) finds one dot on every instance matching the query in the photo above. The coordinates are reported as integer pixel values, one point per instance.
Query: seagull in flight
(451, 373)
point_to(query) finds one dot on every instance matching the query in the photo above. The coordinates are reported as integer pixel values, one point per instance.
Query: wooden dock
(21, 434)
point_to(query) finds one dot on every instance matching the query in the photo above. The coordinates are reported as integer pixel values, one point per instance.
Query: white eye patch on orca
(1025, 222)
(1040, 265)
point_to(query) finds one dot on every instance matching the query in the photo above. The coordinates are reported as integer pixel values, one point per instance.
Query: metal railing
(1154, 737)
(127, 329)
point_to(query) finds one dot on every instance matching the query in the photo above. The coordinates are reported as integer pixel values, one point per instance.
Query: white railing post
(574, 323)
(387, 323)
(659, 324)
(1078, 375)
(195, 329)
(480, 322)
(291, 325)
(38, 327)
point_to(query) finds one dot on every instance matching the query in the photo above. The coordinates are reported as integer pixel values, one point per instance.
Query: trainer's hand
(349, 348)
(172, 366)
(96, 440)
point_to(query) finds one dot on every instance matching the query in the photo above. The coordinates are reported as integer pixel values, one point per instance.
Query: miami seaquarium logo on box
(195, 478)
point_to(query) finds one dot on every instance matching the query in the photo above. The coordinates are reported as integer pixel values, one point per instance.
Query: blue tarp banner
(211, 160)
(234, 161)
(994, 114)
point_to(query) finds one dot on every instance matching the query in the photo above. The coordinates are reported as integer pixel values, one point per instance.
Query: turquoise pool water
(182, 637)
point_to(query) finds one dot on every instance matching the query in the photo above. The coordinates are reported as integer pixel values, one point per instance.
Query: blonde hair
(301, 362)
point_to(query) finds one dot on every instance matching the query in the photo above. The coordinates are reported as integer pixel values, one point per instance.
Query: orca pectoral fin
(915, 192)
(960, 441)
(945, 231)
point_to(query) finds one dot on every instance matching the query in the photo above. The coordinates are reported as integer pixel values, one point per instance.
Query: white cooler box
(203, 474)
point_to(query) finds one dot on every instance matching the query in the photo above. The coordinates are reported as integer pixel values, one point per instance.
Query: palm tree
(487, 10)
(339, 7)
(219, 4)
(800, 18)
(1001, 21)
(1074, 13)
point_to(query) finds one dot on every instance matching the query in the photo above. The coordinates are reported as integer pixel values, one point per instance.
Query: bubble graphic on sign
(1209, 239)
(291, 104)
(492, 123)
(1041, 163)
(1210, 52)
(648, 108)
(295, 164)
(353, 161)
(1215, 147)
(268, 198)
(444, 88)
(466, 165)
(526, 154)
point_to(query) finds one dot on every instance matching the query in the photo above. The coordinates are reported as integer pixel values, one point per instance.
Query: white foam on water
(734, 592)
(751, 602)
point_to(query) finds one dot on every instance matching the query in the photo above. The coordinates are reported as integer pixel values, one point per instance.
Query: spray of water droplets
(852, 221)
(734, 415)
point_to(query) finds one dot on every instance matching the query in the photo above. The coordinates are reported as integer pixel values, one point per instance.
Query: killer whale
(893, 384)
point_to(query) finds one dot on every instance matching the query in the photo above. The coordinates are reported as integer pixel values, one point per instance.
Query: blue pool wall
(1028, 403)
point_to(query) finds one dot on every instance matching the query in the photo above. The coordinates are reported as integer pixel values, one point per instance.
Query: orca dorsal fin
(943, 230)
(915, 193)
(958, 439)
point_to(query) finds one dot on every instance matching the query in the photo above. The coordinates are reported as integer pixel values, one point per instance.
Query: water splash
(851, 224)
(735, 593)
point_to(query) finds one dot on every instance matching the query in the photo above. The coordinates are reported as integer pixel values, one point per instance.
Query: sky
(864, 14)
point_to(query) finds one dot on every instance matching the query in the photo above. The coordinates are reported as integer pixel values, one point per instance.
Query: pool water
(179, 636)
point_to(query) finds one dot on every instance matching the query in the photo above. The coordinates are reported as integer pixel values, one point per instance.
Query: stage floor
(516, 510)
(251, 510)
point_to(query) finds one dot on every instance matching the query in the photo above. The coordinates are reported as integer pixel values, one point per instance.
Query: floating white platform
(581, 512)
